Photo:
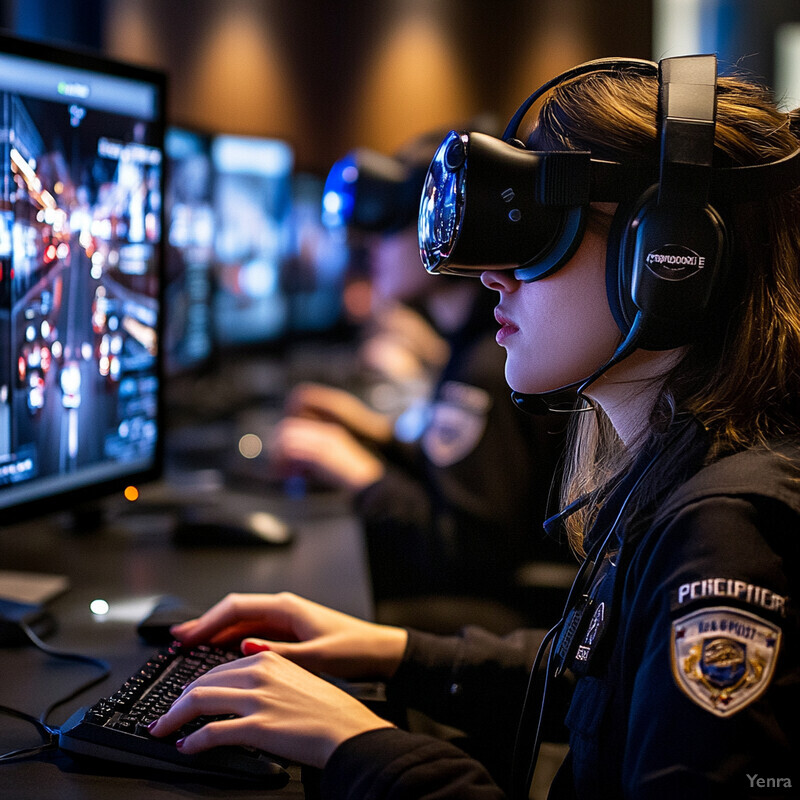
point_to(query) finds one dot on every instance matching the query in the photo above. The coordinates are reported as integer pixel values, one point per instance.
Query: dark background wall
(332, 74)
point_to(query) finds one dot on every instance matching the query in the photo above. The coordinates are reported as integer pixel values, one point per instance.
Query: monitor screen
(80, 276)
(252, 201)
(314, 272)
(189, 251)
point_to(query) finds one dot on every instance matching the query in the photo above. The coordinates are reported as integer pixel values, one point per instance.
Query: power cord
(50, 735)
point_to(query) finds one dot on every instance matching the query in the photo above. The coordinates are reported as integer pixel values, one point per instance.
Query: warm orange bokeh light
(131, 493)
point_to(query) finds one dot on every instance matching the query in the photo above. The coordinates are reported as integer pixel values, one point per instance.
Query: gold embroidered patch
(723, 658)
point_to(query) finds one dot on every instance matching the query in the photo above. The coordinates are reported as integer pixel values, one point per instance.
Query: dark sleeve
(403, 545)
(469, 681)
(476, 682)
(713, 667)
(397, 495)
(397, 765)
(405, 455)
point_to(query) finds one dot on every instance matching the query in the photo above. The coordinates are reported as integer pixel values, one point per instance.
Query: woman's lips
(507, 327)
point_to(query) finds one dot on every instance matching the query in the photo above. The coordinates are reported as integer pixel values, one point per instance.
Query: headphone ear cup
(668, 266)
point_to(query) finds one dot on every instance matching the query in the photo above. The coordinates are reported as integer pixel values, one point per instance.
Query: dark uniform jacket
(687, 673)
(461, 508)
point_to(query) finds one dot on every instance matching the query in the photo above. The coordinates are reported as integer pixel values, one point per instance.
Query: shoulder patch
(456, 424)
(723, 658)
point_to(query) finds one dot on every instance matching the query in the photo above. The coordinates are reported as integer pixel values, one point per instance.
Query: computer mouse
(168, 611)
(226, 527)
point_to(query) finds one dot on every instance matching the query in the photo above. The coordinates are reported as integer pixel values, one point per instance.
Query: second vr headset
(493, 204)
(372, 192)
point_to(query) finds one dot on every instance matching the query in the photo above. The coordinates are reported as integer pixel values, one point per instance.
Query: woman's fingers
(317, 638)
(235, 616)
(216, 734)
(201, 701)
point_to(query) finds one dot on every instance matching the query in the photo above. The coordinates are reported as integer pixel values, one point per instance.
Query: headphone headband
(687, 85)
(687, 110)
(598, 65)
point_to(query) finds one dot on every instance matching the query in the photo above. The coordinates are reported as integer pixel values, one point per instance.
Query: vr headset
(492, 203)
(372, 192)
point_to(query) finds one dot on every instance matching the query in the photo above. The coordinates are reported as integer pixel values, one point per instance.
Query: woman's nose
(500, 280)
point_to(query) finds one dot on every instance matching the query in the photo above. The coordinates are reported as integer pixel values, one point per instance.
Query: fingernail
(179, 744)
(152, 725)
(249, 648)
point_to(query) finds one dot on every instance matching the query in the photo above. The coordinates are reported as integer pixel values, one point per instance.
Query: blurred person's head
(376, 196)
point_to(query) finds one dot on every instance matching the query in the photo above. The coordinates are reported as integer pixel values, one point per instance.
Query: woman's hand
(313, 636)
(279, 707)
(330, 404)
(326, 451)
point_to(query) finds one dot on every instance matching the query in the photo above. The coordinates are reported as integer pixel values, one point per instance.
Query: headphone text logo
(674, 262)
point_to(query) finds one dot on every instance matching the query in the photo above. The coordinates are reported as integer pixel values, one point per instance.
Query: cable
(102, 665)
(47, 734)
(50, 735)
(521, 727)
(588, 564)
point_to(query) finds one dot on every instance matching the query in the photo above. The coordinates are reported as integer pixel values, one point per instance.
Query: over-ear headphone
(668, 248)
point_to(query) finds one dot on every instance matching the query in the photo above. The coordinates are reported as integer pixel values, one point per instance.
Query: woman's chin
(538, 387)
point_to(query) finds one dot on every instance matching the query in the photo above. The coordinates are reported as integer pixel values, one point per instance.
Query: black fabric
(735, 521)
(395, 765)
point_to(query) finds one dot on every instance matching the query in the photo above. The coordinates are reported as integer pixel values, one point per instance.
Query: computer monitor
(252, 201)
(190, 225)
(80, 277)
(315, 270)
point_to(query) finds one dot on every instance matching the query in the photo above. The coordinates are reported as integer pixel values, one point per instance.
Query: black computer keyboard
(115, 728)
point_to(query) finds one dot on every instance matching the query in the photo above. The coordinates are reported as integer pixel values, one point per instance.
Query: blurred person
(452, 493)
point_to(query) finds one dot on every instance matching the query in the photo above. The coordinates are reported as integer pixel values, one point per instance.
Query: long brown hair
(741, 380)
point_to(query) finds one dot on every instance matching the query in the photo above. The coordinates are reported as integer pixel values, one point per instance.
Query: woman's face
(557, 330)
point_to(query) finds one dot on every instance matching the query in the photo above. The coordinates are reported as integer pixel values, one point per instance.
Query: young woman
(685, 664)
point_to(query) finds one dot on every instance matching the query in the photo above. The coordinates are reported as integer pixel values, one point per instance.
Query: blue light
(339, 195)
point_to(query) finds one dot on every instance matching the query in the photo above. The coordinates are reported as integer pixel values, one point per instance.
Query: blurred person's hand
(393, 361)
(329, 404)
(325, 451)
(411, 330)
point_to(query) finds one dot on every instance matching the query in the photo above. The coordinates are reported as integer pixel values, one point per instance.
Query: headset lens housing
(489, 203)
(442, 204)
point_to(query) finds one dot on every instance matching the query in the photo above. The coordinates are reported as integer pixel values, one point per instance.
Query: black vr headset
(489, 202)
(372, 192)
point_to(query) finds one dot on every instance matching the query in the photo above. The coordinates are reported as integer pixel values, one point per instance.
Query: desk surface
(130, 562)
